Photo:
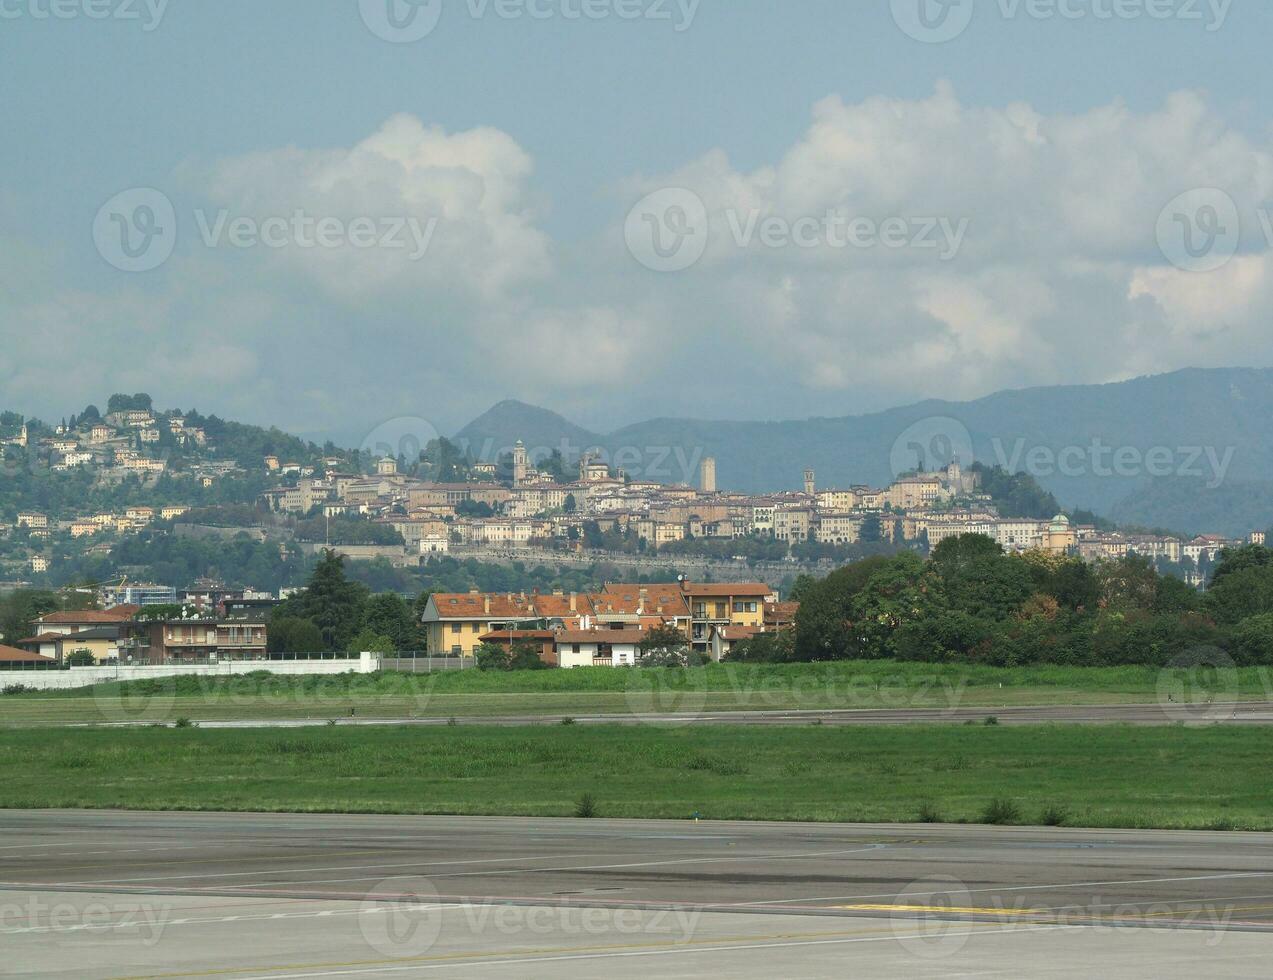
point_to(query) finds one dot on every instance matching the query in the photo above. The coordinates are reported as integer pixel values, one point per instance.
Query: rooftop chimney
(486, 605)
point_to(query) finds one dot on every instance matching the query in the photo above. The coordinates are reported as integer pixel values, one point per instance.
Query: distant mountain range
(1190, 450)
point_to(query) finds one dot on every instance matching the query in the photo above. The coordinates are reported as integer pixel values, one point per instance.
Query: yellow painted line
(953, 909)
(548, 951)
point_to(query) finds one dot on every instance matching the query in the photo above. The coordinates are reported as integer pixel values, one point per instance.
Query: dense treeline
(972, 603)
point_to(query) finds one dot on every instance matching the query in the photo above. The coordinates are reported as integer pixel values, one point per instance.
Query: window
(456, 627)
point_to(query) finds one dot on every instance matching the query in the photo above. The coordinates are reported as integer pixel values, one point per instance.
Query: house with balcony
(202, 640)
(725, 604)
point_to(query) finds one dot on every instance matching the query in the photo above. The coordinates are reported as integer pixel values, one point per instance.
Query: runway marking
(1016, 888)
(284, 871)
(560, 954)
(949, 909)
(466, 874)
(516, 871)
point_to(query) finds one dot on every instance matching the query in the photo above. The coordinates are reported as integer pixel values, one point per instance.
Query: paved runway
(1218, 713)
(104, 894)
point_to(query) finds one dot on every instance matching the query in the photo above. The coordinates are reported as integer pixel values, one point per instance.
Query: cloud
(465, 191)
(1059, 277)
(1044, 267)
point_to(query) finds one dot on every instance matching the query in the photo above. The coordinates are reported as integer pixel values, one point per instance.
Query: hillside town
(536, 511)
(164, 470)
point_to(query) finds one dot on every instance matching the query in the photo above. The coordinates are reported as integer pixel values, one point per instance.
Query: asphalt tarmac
(107, 894)
(1202, 713)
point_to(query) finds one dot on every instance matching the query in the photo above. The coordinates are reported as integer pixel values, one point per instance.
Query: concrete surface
(106, 894)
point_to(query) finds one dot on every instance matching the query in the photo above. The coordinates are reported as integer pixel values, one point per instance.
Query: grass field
(475, 694)
(1109, 776)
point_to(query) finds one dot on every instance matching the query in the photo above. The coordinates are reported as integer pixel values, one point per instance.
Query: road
(107, 894)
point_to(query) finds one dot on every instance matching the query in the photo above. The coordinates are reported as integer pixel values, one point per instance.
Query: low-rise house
(599, 647)
(724, 638)
(202, 640)
(12, 658)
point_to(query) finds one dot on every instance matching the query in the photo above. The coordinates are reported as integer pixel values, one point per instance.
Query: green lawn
(1106, 776)
(475, 694)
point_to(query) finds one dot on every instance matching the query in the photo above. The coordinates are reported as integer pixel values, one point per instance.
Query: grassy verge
(1109, 776)
(474, 694)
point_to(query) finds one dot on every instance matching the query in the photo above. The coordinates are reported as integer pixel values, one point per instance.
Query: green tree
(387, 614)
(369, 642)
(823, 630)
(492, 656)
(288, 634)
(1253, 641)
(331, 601)
(664, 646)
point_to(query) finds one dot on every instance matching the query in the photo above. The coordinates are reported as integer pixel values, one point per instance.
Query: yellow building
(726, 604)
(1059, 537)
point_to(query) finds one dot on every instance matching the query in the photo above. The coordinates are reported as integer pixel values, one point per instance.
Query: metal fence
(425, 664)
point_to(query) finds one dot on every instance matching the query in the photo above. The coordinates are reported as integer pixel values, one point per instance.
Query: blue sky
(241, 106)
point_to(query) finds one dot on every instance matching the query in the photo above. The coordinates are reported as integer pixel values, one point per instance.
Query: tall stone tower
(810, 483)
(709, 474)
(521, 464)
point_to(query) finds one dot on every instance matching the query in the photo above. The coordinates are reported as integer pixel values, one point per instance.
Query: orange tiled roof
(15, 656)
(119, 614)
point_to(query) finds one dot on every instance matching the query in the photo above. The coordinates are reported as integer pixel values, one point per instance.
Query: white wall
(51, 680)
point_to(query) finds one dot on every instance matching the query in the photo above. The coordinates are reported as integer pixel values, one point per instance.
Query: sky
(329, 215)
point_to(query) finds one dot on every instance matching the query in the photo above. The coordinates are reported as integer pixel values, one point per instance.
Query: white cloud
(1059, 277)
(472, 185)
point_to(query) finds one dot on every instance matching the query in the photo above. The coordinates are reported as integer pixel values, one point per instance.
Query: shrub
(184, 722)
(17, 689)
(991, 720)
(567, 721)
(1054, 815)
(1001, 811)
(928, 813)
(586, 807)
